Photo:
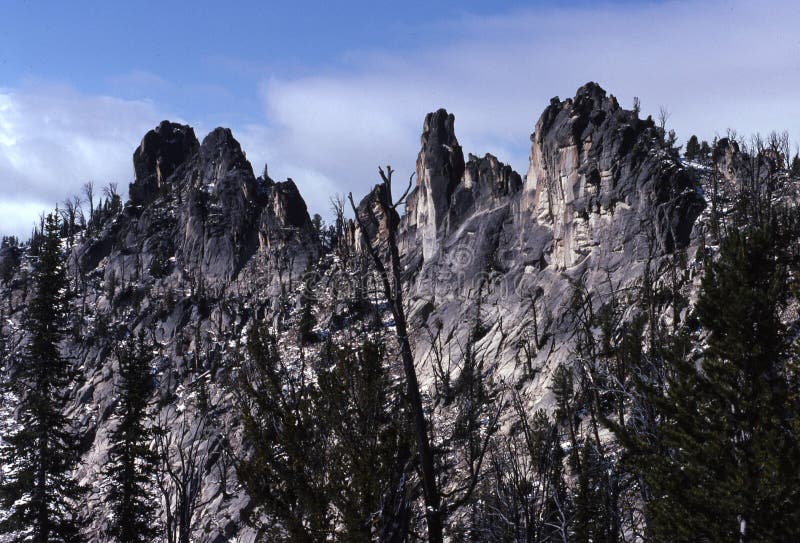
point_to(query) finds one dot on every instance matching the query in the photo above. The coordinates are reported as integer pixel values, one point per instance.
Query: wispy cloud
(714, 65)
(53, 139)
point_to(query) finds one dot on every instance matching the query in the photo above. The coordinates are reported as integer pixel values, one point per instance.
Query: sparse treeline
(672, 420)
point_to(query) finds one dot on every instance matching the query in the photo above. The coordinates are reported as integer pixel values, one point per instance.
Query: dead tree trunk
(393, 291)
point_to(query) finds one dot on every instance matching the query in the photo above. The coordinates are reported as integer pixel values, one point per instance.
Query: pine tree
(692, 148)
(131, 461)
(285, 473)
(307, 321)
(726, 469)
(359, 403)
(794, 170)
(41, 452)
(705, 151)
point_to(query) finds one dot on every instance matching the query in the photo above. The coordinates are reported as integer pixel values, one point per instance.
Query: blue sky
(210, 51)
(325, 91)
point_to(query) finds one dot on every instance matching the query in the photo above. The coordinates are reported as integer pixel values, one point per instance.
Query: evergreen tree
(41, 451)
(692, 148)
(794, 170)
(284, 474)
(595, 497)
(305, 328)
(131, 461)
(329, 459)
(359, 403)
(705, 151)
(725, 469)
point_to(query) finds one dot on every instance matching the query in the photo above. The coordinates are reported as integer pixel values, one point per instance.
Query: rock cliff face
(203, 249)
(592, 161)
(603, 193)
(440, 166)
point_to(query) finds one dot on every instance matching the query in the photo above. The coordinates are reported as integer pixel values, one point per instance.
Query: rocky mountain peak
(591, 159)
(161, 152)
(198, 209)
(440, 166)
(221, 153)
(288, 205)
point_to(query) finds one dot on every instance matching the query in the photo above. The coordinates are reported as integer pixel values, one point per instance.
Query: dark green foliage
(359, 404)
(794, 170)
(594, 496)
(325, 455)
(724, 467)
(307, 322)
(705, 151)
(319, 227)
(131, 462)
(41, 452)
(692, 148)
(285, 473)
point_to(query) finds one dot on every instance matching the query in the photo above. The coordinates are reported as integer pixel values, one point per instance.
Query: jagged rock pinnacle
(158, 156)
(589, 159)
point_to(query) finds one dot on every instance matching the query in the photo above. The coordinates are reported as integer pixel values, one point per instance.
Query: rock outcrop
(198, 209)
(204, 249)
(162, 150)
(603, 193)
(440, 166)
(591, 160)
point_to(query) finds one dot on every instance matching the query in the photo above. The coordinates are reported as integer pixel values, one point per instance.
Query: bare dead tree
(110, 191)
(183, 455)
(337, 207)
(69, 215)
(441, 364)
(663, 117)
(393, 291)
(88, 192)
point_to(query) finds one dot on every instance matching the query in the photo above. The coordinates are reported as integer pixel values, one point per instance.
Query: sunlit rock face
(440, 165)
(603, 194)
(592, 161)
(600, 180)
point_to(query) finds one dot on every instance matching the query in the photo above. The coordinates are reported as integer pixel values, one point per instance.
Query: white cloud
(53, 139)
(714, 65)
